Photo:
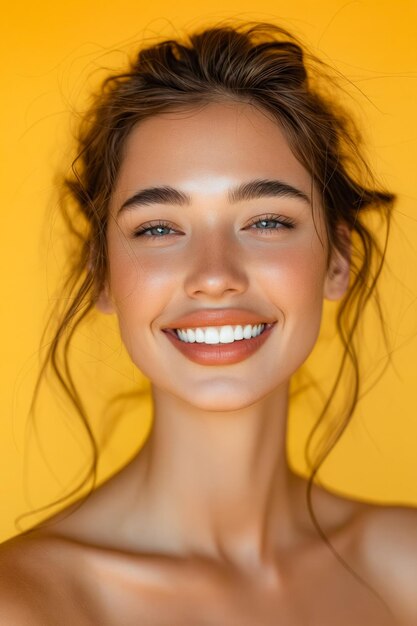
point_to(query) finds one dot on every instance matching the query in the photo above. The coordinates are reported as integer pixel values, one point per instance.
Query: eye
(154, 230)
(271, 223)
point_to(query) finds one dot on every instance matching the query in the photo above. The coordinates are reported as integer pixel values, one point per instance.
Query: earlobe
(338, 274)
(337, 279)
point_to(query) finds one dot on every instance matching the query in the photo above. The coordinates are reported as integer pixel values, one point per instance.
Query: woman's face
(193, 231)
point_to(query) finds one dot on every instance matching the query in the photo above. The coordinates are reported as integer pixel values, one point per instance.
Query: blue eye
(146, 230)
(271, 223)
(266, 223)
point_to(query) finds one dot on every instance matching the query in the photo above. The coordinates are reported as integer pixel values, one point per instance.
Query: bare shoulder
(32, 578)
(20, 600)
(389, 537)
(381, 545)
(388, 549)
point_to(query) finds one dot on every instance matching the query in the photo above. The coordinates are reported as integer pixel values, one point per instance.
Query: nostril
(216, 282)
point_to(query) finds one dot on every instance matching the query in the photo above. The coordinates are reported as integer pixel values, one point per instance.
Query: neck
(218, 483)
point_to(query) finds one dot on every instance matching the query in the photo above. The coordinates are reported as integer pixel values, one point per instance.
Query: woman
(224, 200)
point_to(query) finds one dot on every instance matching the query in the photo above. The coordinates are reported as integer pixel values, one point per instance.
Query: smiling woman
(223, 199)
(246, 222)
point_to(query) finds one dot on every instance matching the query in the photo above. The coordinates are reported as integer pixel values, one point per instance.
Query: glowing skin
(208, 522)
(217, 261)
(227, 423)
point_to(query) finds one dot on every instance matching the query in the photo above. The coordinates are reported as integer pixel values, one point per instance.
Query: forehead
(207, 149)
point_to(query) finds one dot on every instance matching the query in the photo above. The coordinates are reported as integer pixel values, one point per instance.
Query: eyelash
(286, 222)
(278, 219)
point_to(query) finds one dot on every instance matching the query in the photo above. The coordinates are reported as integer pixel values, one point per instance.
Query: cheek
(141, 287)
(296, 276)
(295, 283)
(133, 277)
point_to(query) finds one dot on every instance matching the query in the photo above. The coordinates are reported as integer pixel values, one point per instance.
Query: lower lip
(219, 353)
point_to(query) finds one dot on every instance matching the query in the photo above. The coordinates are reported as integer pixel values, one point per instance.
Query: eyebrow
(245, 191)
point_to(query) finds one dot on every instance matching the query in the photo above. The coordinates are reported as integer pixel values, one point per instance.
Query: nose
(215, 269)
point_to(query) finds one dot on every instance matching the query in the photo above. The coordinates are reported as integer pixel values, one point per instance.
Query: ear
(104, 302)
(338, 273)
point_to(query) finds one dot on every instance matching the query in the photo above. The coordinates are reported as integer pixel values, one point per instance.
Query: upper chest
(315, 591)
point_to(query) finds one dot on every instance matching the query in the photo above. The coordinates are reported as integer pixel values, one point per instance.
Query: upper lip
(219, 317)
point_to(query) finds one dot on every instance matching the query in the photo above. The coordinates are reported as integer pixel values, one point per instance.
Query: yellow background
(51, 55)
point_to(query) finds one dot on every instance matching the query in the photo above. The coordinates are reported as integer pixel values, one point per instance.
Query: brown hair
(266, 66)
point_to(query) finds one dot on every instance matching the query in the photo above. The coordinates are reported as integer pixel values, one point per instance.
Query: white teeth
(199, 335)
(219, 334)
(247, 332)
(182, 334)
(256, 330)
(226, 334)
(238, 333)
(191, 335)
(211, 335)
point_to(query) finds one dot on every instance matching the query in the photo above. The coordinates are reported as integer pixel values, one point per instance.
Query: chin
(223, 396)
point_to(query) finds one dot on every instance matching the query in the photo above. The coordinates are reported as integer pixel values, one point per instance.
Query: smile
(219, 334)
(220, 345)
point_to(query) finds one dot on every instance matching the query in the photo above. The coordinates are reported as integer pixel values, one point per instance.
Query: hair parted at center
(267, 67)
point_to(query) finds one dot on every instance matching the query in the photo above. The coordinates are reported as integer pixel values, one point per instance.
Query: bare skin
(208, 524)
